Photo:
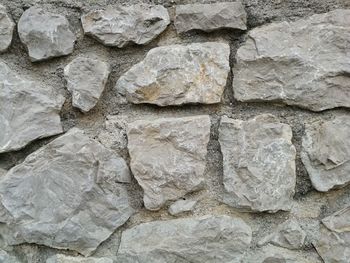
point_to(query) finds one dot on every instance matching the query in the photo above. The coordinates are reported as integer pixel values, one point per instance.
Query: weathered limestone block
(334, 242)
(178, 74)
(65, 195)
(27, 110)
(326, 153)
(209, 17)
(125, 25)
(259, 163)
(168, 157)
(6, 29)
(205, 239)
(182, 206)
(303, 63)
(45, 35)
(60, 258)
(86, 79)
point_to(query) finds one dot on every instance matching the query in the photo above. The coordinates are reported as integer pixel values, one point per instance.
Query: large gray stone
(259, 163)
(124, 25)
(86, 79)
(28, 111)
(45, 34)
(206, 239)
(326, 153)
(178, 74)
(168, 157)
(209, 17)
(304, 63)
(60, 258)
(6, 29)
(66, 195)
(333, 244)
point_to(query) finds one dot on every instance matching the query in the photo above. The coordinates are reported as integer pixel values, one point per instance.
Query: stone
(125, 25)
(86, 79)
(288, 235)
(2, 172)
(210, 17)
(182, 206)
(303, 63)
(326, 153)
(46, 35)
(259, 163)
(6, 29)
(60, 258)
(178, 74)
(205, 239)
(69, 194)
(28, 111)
(6, 258)
(168, 157)
(333, 244)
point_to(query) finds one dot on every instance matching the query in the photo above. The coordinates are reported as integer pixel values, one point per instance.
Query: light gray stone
(303, 63)
(45, 34)
(259, 163)
(6, 258)
(28, 111)
(124, 25)
(206, 239)
(66, 195)
(168, 157)
(86, 79)
(326, 153)
(178, 74)
(60, 258)
(333, 244)
(182, 206)
(209, 17)
(6, 29)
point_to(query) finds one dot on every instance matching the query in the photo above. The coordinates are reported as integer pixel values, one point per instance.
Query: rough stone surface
(6, 29)
(209, 17)
(6, 258)
(206, 239)
(178, 74)
(304, 63)
(45, 34)
(65, 195)
(125, 25)
(168, 157)
(259, 163)
(334, 242)
(68, 259)
(182, 206)
(28, 111)
(326, 153)
(86, 79)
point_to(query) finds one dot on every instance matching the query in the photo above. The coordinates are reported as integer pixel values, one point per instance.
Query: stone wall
(174, 132)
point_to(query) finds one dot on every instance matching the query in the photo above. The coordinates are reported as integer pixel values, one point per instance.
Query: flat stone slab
(259, 163)
(303, 63)
(178, 74)
(6, 29)
(326, 153)
(66, 195)
(168, 157)
(205, 239)
(210, 17)
(28, 111)
(125, 25)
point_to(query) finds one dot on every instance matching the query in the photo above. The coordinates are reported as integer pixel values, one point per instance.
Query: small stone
(178, 74)
(86, 79)
(125, 25)
(28, 111)
(45, 34)
(2, 172)
(326, 153)
(208, 239)
(182, 206)
(210, 17)
(168, 157)
(6, 29)
(60, 258)
(259, 163)
(69, 194)
(303, 63)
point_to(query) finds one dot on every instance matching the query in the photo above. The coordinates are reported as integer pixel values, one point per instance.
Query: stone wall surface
(174, 131)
